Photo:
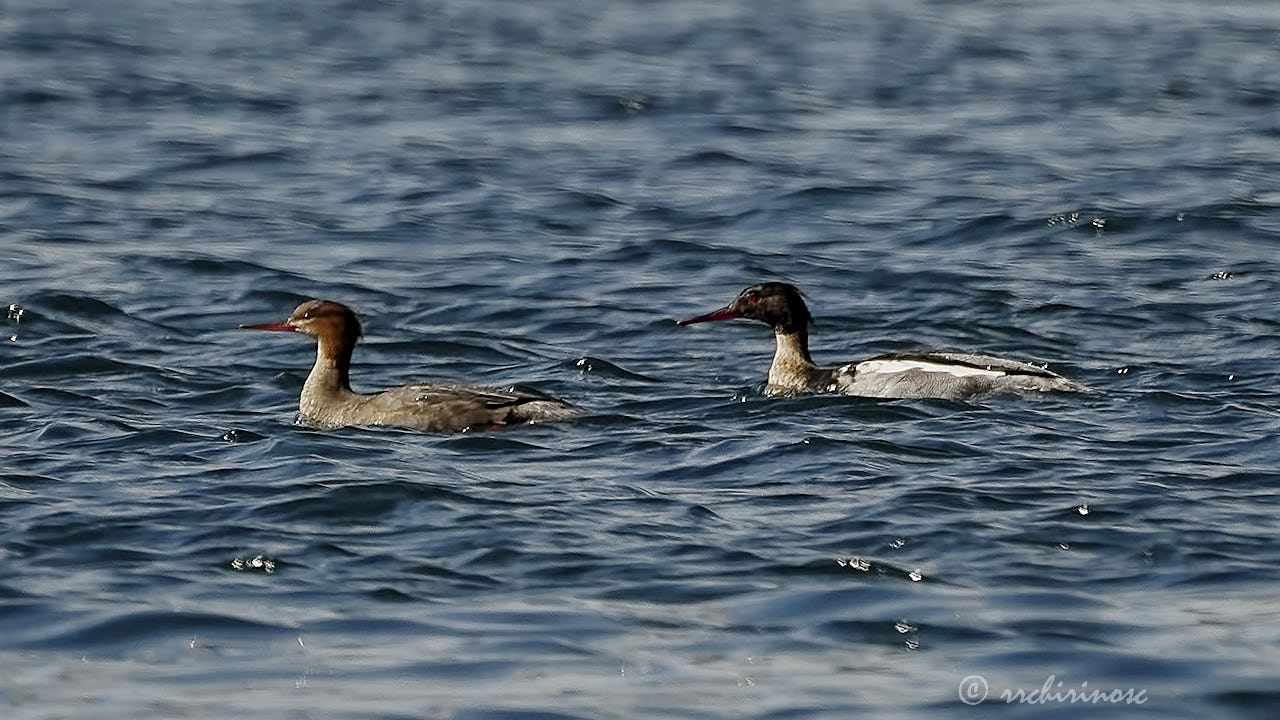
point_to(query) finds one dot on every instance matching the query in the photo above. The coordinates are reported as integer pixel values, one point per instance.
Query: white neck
(326, 383)
(792, 369)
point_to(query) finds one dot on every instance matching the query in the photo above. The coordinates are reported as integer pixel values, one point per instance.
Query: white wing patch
(898, 366)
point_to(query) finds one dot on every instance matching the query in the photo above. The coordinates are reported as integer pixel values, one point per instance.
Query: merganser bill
(900, 375)
(328, 402)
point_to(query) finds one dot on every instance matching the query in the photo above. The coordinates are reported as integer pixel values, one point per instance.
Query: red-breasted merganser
(906, 375)
(327, 400)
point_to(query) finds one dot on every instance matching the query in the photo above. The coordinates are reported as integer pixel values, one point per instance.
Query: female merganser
(327, 400)
(909, 375)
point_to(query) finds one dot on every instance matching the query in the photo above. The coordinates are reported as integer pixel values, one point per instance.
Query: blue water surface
(515, 192)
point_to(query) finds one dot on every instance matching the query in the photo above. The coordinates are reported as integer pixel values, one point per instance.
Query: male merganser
(327, 400)
(906, 375)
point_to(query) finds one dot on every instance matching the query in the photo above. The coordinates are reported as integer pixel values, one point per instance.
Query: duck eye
(306, 315)
(752, 299)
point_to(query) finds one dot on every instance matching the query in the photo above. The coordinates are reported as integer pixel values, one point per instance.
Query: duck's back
(443, 407)
(946, 375)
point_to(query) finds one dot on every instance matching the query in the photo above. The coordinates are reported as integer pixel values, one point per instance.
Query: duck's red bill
(280, 326)
(724, 313)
